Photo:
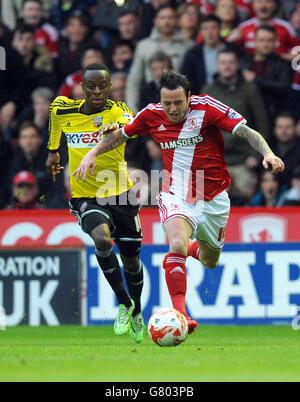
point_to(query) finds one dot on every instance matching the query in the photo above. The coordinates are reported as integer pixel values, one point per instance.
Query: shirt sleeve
(137, 126)
(123, 114)
(223, 116)
(55, 129)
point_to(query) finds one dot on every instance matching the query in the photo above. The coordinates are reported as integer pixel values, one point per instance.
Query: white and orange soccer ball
(168, 327)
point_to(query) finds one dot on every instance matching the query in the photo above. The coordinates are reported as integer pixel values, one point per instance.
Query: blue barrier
(253, 284)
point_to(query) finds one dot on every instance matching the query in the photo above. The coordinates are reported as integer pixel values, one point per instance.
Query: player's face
(175, 104)
(96, 86)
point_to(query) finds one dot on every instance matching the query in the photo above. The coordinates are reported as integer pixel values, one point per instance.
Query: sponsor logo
(177, 269)
(98, 121)
(175, 206)
(232, 114)
(192, 123)
(263, 228)
(127, 116)
(185, 142)
(83, 140)
(161, 128)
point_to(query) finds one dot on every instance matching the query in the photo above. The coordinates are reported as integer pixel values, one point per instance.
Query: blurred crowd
(243, 52)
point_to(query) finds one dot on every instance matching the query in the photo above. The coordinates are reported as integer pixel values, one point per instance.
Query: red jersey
(286, 35)
(70, 82)
(193, 150)
(47, 35)
(296, 82)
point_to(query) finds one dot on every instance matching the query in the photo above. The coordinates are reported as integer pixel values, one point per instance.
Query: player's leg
(128, 241)
(98, 223)
(178, 231)
(205, 254)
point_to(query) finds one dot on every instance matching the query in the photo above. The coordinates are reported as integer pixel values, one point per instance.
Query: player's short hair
(210, 18)
(266, 28)
(95, 67)
(171, 79)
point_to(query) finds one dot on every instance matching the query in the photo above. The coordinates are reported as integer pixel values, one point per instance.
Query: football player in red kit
(193, 202)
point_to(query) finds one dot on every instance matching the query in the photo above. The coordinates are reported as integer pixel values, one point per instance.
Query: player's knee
(178, 246)
(131, 264)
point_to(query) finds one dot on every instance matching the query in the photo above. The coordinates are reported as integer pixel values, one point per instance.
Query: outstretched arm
(258, 142)
(113, 139)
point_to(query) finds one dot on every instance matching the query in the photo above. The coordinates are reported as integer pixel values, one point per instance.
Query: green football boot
(122, 321)
(136, 329)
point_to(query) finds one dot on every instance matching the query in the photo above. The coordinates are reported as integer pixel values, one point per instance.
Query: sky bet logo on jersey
(83, 140)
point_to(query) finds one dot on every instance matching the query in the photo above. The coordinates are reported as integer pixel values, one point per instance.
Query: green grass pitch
(212, 353)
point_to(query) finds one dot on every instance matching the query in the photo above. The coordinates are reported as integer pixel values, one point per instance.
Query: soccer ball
(168, 327)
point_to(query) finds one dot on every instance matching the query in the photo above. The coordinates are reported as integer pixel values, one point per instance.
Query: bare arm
(258, 142)
(113, 139)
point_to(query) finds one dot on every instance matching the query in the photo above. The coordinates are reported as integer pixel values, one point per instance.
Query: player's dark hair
(95, 67)
(171, 79)
(210, 18)
(267, 28)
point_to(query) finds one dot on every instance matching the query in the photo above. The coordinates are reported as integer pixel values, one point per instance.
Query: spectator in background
(188, 15)
(118, 86)
(37, 59)
(77, 92)
(295, 20)
(157, 63)
(148, 14)
(265, 15)
(32, 157)
(107, 13)
(62, 9)
(92, 54)
(270, 193)
(38, 111)
(72, 46)
(6, 155)
(200, 62)
(164, 37)
(206, 6)
(227, 11)
(12, 83)
(268, 70)
(32, 13)
(122, 57)
(25, 191)
(292, 196)
(129, 27)
(286, 145)
(230, 87)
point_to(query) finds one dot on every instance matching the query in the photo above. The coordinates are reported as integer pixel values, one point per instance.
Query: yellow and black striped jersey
(110, 176)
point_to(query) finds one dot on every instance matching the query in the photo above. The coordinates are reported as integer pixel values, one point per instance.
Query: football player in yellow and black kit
(102, 202)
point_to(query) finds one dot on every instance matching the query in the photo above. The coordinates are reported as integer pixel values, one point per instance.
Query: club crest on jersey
(83, 207)
(175, 206)
(233, 115)
(98, 121)
(192, 123)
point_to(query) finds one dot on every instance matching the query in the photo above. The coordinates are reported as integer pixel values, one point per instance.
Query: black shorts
(123, 220)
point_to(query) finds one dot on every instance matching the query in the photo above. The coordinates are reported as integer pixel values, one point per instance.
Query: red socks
(193, 249)
(174, 265)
